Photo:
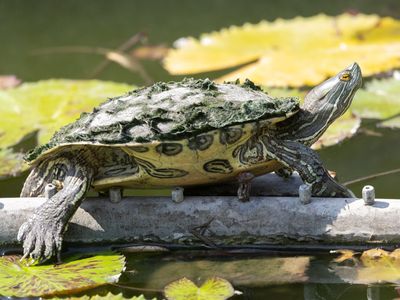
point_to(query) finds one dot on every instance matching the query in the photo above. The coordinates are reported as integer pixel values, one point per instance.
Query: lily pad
(104, 297)
(291, 52)
(11, 163)
(343, 128)
(379, 100)
(390, 123)
(47, 105)
(213, 289)
(373, 266)
(19, 280)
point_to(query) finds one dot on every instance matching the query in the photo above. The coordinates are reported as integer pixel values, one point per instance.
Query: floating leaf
(11, 163)
(107, 296)
(292, 52)
(344, 255)
(45, 106)
(48, 105)
(19, 280)
(343, 128)
(371, 256)
(373, 266)
(379, 100)
(213, 289)
(390, 123)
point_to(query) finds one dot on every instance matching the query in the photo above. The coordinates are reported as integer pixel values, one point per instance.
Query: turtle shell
(178, 133)
(170, 111)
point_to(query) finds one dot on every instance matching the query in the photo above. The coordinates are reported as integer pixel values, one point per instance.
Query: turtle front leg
(42, 234)
(307, 163)
(244, 180)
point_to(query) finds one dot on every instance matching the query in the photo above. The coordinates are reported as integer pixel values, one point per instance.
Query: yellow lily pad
(345, 255)
(292, 52)
(373, 266)
(215, 288)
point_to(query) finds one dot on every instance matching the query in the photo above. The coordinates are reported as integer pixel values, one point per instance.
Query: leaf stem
(372, 176)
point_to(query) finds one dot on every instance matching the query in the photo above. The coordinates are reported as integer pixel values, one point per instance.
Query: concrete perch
(262, 220)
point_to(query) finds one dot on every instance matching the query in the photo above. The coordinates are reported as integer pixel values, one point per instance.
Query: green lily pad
(213, 289)
(45, 106)
(107, 296)
(343, 128)
(48, 105)
(379, 100)
(393, 122)
(19, 280)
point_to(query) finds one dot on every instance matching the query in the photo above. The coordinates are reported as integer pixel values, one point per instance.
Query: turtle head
(327, 102)
(334, 95)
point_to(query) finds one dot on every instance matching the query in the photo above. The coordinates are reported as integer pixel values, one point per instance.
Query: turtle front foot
(41, 239)
(244, 186)
(327, 187)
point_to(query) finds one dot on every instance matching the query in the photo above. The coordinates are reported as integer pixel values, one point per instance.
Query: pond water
(258, 276)
(28, 26)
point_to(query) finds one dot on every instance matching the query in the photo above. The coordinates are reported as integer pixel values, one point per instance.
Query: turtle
(187, 133)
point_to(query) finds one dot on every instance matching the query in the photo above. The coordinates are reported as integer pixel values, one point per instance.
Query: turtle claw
(40, 241)
(329, 188)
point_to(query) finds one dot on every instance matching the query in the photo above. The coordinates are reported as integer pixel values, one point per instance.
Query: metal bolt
(177, 194)
(50, 190)
(368, 194)
(115, 195)
(305, 193)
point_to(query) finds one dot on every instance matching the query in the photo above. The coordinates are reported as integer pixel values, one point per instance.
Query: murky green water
(258, 276)
(27, 26)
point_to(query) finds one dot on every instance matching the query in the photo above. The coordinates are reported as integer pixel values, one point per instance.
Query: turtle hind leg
(42, 234)
(307, 163)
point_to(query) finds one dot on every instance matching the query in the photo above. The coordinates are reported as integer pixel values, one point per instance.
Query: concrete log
(262, 220)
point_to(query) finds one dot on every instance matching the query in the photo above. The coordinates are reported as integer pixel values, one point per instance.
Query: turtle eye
(345, 76)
